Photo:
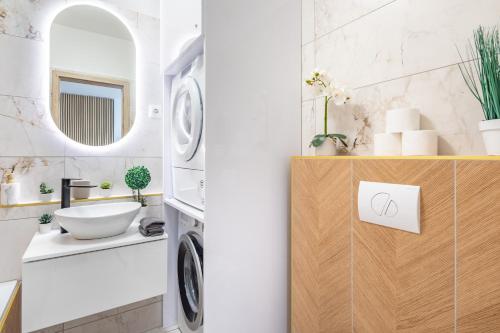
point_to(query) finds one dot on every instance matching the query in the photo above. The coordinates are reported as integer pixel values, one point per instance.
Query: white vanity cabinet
(66, 279)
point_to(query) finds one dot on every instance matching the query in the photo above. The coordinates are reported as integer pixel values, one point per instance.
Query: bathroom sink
(98, 221)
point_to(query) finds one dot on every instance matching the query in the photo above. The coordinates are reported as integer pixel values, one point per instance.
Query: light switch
(154, 111)
(391, 205)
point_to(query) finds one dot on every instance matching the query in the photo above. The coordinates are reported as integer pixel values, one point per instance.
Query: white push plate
(391, 205)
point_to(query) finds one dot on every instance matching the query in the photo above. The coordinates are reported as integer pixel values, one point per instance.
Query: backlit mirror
(92, 64)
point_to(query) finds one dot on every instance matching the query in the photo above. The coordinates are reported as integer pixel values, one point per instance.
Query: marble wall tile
(134, 321)
(88, 319)
(308, 65)
(332, 14)
(24, 63)
(27, 19)
(15, 237)
(403, 38)
(441, 96)
(113, 169)
(31, 171)
(142, 319)
(26, 128)
(97, 170)
(308, 127)
(307, 21)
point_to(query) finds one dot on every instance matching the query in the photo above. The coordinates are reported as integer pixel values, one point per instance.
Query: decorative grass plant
(482, 73)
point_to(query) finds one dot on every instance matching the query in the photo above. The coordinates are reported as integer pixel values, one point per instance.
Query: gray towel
(151, 222)
(151, 232)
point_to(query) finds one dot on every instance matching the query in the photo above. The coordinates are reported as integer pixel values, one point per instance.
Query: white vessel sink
(98, 221)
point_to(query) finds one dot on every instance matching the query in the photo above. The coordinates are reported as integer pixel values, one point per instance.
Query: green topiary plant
(44, 189)
(138, 178)
(46, 218)
(106, 185)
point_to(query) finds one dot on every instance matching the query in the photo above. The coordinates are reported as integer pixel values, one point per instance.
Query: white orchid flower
(341, 96)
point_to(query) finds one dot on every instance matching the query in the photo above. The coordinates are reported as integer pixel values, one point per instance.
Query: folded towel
(147, 222)
(151, 232)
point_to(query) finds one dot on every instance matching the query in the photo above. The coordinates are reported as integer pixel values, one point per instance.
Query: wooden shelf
(56, 202)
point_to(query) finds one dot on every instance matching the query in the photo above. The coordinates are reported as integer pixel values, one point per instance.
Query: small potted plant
(45, 223)
(137, 179)
(484, 67)
(46, 192)
(328, 143)
(106, 188)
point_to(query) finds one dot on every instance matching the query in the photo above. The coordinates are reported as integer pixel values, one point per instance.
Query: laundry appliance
(187, 134)
(190, 275)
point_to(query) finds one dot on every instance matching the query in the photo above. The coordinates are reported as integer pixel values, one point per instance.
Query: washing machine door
(187, 119)
(190, 277)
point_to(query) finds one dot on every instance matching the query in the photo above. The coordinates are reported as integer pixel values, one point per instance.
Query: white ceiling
(93, 19)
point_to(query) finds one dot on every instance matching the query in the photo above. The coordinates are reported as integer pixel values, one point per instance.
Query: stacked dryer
(187, 134)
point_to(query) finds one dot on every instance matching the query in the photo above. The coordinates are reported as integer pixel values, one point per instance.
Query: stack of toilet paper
(403, 135)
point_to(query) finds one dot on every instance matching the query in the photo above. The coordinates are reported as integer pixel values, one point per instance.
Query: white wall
(181, 21)
(87, 52)
(253, 89)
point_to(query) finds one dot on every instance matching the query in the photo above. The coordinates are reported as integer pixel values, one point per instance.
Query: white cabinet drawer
(69, 287)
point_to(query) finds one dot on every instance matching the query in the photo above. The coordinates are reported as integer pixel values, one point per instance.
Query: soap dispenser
(9, 189)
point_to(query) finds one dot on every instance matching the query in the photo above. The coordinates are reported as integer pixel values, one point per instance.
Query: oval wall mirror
(92, 64)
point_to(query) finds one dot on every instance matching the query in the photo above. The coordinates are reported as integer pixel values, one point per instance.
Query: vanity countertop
(54, 244)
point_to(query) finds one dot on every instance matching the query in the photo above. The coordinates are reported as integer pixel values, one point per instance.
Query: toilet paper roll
(420, 143)
(387, 144)
(400, 120)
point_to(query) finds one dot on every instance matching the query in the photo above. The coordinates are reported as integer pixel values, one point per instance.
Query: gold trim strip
(345, 157)
(48, 203)
(8, 308)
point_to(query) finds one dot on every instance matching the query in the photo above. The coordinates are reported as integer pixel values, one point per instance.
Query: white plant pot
(490, 129)
(45, 228)
(105, 193)
(45, 197)
(328, 148)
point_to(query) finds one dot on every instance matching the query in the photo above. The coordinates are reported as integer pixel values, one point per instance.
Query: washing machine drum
(190, 277)
(187, 118)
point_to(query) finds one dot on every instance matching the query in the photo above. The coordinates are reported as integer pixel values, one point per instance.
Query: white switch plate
(154, 111)
(391, 205)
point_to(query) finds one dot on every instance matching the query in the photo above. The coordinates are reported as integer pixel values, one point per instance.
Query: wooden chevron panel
(320, 247)
(478, 246)
(404, 282)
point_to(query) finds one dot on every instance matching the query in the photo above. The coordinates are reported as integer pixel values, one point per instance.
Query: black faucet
(66, 194)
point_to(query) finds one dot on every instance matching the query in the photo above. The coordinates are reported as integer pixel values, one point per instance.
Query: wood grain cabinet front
(351, 276)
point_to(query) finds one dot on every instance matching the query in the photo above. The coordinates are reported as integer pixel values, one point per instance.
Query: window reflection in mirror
(92, 59)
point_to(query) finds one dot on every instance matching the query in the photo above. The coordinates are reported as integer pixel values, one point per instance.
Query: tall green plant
(485, 68)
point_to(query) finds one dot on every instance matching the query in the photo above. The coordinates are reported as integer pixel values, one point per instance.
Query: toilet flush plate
(391, 205)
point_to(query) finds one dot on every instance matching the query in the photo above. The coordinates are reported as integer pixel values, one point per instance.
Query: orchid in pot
(328, 143)
(485, 68)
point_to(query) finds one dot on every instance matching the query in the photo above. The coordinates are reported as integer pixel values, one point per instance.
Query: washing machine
(190, 275)
(187, 134)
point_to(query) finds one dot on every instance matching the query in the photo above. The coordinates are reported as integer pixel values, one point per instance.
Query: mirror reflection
(92, 60)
